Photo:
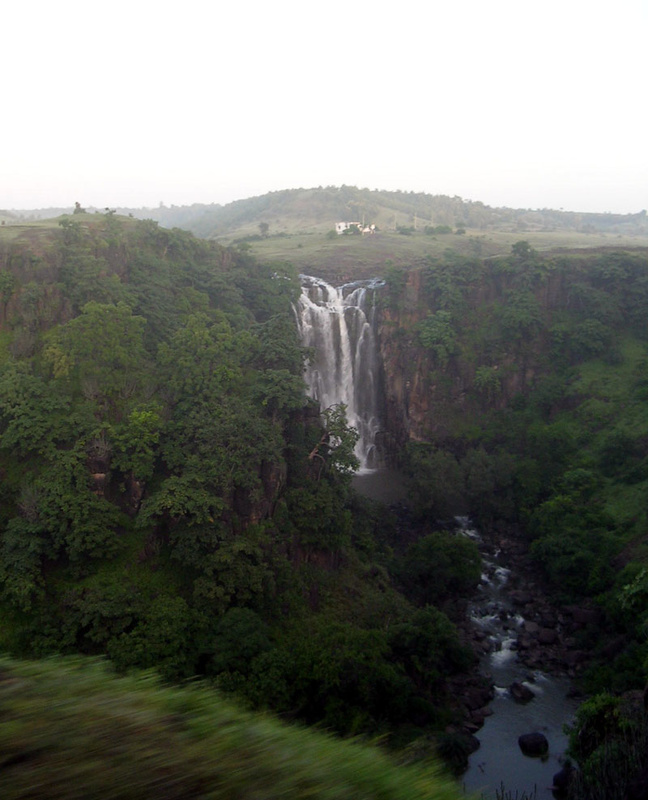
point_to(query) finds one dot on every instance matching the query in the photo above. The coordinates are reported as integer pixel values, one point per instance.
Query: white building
(341, 227)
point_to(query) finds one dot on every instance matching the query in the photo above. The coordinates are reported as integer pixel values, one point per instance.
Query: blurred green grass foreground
(71, 729)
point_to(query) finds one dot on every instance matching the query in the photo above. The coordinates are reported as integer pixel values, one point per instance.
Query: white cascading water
(338, 325)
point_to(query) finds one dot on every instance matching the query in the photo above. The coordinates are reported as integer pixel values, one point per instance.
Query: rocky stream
(523, 697)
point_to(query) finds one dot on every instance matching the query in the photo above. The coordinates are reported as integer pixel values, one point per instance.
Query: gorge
(515, 391)
(340, 329)
(170, 500)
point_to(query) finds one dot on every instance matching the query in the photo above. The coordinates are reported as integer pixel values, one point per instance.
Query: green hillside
(297, 225)
(319, 208)
(526, 395)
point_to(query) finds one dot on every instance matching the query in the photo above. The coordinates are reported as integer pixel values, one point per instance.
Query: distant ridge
(292, 210)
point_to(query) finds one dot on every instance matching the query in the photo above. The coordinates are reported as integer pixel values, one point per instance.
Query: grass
(69, 729)
(32, 230)
(351, 257)
(304, 242)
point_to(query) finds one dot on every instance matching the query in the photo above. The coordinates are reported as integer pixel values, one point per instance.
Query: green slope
(71, 730)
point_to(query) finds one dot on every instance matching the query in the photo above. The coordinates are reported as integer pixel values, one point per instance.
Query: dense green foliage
(537, 371)
(609, 743)
(69, 729)
(171, 500)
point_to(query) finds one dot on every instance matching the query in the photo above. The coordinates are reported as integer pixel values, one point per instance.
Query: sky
(509, 102)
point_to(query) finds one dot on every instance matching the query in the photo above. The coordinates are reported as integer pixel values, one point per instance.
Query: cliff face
(460, 340)
(423, 403)
(423, 400)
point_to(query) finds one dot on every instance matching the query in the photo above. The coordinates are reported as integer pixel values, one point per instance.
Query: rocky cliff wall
(433, 399)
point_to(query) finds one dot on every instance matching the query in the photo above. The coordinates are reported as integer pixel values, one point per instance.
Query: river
(499, 760)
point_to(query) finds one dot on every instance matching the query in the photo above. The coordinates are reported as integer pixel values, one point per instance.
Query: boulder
(476, 698)
(574, 657)
(547, 636)
(584, 615)
(471, 727)
(562, 781)
(521, 693)
(533, 744)
(520, 597)
(477, 718)
(548, 619)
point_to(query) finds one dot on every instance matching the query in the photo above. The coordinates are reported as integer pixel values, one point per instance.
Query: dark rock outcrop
(533, 744)
(521, 693)
(547, 636)
(562, 781)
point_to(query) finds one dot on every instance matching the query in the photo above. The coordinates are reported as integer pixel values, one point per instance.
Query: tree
(135, 442)
(335, 448)
(488, 383)
(523, 253)
(315, 516)
(436, 481)
(103, 348)
(437, 334)
(439, 566)
(521, 316)
(240, 635)
(264, 228)
(428, 647)
(35, 416)
(8, 284)
(162, 639)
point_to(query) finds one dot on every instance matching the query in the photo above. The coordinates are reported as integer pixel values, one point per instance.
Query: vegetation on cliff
(526, 379)
(161, 500)
(520, 383)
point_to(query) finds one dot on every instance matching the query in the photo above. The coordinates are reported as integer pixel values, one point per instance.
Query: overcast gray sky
(511, 102)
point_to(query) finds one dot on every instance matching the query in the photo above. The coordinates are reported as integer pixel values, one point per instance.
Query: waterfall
(338, 325)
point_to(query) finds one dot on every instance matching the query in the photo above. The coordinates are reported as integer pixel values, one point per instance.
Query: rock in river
(521, 693)
(533, 744)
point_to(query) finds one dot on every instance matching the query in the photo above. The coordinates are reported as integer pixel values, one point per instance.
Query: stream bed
(499, 760)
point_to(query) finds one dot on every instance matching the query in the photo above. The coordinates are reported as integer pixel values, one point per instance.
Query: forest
(525, 405)
(171, 501)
